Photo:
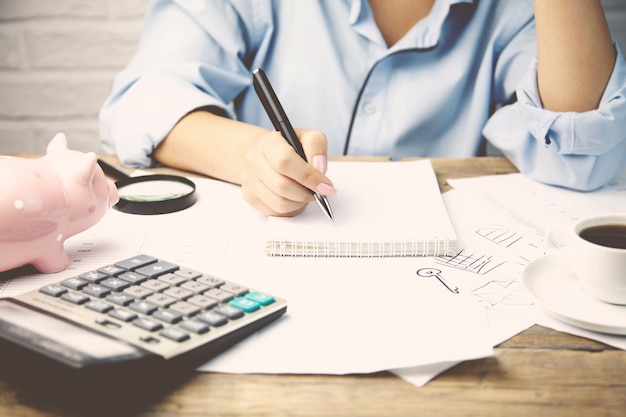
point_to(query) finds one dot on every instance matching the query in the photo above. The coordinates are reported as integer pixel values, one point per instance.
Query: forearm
(575, 54)
(208, 144)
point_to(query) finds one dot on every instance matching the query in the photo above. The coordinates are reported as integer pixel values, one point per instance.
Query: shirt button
(548, 141)
(369, 108)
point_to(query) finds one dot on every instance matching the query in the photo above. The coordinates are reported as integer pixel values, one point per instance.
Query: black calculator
(141, 310)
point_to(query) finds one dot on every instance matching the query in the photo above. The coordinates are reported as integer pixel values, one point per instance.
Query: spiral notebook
(382, 209)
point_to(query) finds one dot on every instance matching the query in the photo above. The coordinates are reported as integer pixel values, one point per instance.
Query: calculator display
(58, 339)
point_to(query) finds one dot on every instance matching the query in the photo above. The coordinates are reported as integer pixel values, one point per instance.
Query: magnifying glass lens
(158, 190)
(151, 194)
(155, 194)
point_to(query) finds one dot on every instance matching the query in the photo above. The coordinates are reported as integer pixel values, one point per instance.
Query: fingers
(270, 204)
(277, 181)
(315, 147)
(270, 192)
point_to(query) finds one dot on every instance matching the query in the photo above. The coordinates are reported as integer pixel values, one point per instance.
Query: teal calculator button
(259, 297)
(245, 304)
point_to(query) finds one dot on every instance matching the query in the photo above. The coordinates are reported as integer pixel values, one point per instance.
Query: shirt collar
(425, 34)
(362, 21)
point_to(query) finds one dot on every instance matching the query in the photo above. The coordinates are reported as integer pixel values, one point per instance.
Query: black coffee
(610, 235)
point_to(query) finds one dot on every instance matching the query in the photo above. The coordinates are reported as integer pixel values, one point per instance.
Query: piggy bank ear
(84, 168)
(58, 143)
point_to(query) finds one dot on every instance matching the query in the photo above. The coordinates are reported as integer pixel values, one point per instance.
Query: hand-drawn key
(432, 272)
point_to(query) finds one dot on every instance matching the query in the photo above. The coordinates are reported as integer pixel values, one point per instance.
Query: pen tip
(325, 206)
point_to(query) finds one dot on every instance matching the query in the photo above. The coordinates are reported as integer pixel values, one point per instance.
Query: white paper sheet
(502, 220)
(343, 316)
(531, 208)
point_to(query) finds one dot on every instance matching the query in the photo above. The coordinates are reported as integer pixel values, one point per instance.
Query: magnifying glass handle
(112, 172)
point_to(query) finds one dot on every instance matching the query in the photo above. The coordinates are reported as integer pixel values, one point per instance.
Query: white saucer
(557, 291)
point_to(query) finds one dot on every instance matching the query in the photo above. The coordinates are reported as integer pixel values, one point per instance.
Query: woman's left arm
(575, 54)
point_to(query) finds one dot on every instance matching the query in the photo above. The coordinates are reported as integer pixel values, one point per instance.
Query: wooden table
(539, 372)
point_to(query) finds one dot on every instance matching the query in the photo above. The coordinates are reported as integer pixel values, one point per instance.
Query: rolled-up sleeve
(582, 151)
(134, 125)
(173, 73)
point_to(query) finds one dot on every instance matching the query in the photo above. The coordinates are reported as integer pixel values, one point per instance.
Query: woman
(541, 81)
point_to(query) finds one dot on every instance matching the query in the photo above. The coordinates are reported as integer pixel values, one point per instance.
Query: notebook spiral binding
(434, 246)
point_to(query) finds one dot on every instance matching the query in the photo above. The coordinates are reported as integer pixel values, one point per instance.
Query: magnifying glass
(151, 194)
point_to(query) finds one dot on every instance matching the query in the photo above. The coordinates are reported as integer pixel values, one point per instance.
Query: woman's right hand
(276, 181)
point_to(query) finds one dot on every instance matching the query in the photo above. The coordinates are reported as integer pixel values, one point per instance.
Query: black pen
(281, 123)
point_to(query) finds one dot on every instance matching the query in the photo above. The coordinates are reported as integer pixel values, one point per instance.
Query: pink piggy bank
(45, 201)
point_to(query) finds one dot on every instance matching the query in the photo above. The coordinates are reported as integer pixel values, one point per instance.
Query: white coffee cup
(598, 259)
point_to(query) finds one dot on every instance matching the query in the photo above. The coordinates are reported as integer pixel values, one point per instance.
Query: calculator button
(136, 262)
(167, 316)
(149, 339)
(195, 326)
(157, 268)
(116, 284)
(219, 295)
(143, 307)
(111, 270)
(229, 311)
(99, 306)
(155, 285)
(184, 308)
(178, 293)
(174, 334)
(172, 279)
(138, 292)
(210, 281)
(245, 304)
(120, 299)
(202, 301)
(261, 298)
(195, 286)
(93, 276)
(53, 290)
(96, 290)
(233, 288)
(212, 318)
(108, 324)
(74, 283)
(147, 324)
(161, 300)
(123, 315)
(74, 297)
(188, 273)
(133, 277)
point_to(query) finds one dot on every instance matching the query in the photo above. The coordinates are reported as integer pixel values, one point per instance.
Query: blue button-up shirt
(445, 87)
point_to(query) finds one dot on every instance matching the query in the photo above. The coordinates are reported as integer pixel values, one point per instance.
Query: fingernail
(326, 189)
(320, 163)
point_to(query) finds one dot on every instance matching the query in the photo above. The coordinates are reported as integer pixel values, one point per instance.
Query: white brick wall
(58, 59)
(57, 62)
